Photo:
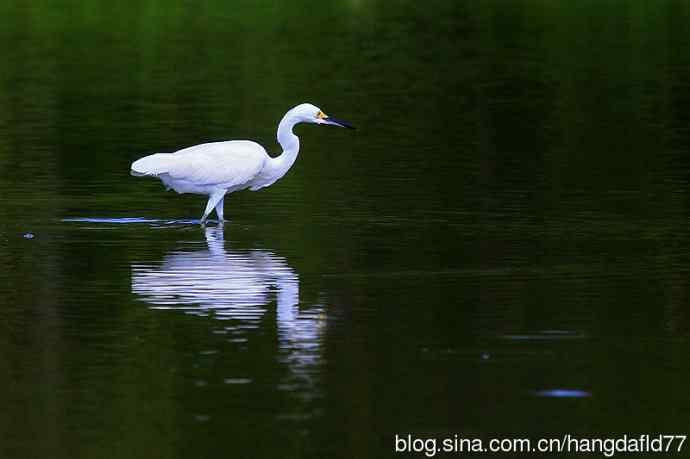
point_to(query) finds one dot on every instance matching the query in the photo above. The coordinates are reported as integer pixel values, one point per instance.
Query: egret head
(308, 113)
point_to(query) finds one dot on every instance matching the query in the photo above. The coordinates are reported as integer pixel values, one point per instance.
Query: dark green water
(500, 249)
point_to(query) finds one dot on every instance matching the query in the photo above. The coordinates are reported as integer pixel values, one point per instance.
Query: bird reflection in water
(236, 286)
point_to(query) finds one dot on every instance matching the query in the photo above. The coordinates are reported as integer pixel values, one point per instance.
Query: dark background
(509, 218)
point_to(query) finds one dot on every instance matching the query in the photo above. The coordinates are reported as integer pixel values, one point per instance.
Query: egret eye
(321, 115)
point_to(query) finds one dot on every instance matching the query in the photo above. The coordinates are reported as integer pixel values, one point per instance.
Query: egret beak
(335, 122)
(325, 119)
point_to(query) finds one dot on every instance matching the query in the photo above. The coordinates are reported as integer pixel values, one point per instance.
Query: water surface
(500, 249)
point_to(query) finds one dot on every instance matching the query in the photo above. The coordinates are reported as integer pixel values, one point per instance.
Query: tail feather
(152, 165)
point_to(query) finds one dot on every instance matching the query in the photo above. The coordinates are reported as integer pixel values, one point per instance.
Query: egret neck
(290, 143)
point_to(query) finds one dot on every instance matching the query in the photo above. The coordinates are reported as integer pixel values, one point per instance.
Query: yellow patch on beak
(321, 116)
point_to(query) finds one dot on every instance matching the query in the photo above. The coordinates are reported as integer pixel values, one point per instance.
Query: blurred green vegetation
(579, 105)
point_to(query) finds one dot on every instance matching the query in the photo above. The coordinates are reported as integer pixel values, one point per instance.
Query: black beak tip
(340, 123)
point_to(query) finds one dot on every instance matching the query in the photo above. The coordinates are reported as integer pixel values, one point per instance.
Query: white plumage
(218, 168)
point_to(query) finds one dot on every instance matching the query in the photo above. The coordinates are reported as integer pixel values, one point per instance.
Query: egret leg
(213, 199)
(219, 209)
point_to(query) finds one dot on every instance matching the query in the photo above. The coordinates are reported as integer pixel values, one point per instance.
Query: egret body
(219, 168)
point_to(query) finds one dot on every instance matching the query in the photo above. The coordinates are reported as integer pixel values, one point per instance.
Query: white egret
(218, 168)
